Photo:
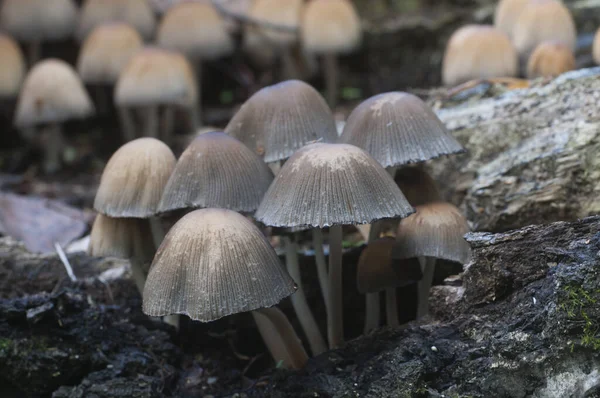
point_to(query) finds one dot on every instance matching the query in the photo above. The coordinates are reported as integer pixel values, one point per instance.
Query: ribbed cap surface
(214, 263)
(136, 13)
(398, 128)
(119, 237)
(13, 67)
(330, 26)
(217, 170)
(435, 230)
(38, 20)
(331, 184)
(280, 119)
(134, 179)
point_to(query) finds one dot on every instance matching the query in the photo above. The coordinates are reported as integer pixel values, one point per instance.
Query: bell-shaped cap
(52, 93)
(136, 13)
(281, 13)
(119, 237)
(38, 20)
(398, 128)
(156, 76)
(417, 185)
(13, 67)
(214, 263)
(435, 230)
(331, 184)
(217, 170)
(280, 119)
(506, 14)
(377, 271)
(134, 179)
(106, 51)
(330, 26)
(550, 59)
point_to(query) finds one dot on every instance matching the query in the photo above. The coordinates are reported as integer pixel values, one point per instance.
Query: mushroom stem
(372, 312)
(102, 102)
(34, 51)
(321, 264)
(167, 124)
(305, 315)
(290, 69)
(158, 232)
(143, 253)
(197, 118)
(53, 148)
(280, 338)
(391, 307)
(151, 116)
(127, 123)
(335, 318)
(138, 273)
(331, 78)
(428, 268)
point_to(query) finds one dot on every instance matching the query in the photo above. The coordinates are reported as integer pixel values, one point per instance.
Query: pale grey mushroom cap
(217, 170)
(214, 263)
(398, 128)
(38, 20)
(119, 237)
(280, 119)
(331, 184)
(435, 230)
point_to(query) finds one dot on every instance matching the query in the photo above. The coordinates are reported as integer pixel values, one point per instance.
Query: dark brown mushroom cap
(377, 270)
(214, 263)
(280, 119)
(331, 184)
(398, 128)
(417, 185)
(435, 230)
(134, 179)
(217, 170)
(119, 237)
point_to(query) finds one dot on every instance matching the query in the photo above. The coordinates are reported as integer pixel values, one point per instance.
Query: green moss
(5, 344)
(575, 303)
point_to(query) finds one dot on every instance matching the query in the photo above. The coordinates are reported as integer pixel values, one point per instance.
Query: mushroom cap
(331, 184)
(330, 26)
(217, 170)
(106, 51)
(544, 20)
(136, 13)
(377, 271)
(155, 76)
(52, 93)
(398, 128)
(417, 186)
(280, 119)
(134, 179)
(196, 30)
(550, 59)
(12, 71)
(38, 20)
(478, 52)
(282, 13)
(214, 263)
(119, 237)
(506, 14)
(435, 230)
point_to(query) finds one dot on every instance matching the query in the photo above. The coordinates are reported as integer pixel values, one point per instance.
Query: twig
(250, 20)
(65, 261)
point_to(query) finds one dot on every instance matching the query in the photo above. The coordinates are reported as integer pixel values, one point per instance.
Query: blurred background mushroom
(550, 59)
(12, 70)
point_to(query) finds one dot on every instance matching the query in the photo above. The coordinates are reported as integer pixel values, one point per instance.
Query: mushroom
(153, 78)
(198, 31)
(596, 47)
(104, 54)
(13, 68)
(136, 13)
(550, 59)
(214, 263)
(52, 94)
(506, 14)
(377, 272)
(329, 28)
(35, 21)
(417, 185)
(330, 185)
(478, 52)
(435, 231)
(540, 21)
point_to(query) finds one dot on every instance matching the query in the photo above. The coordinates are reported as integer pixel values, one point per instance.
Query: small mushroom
(506, 14)
(329, 28)
(215, 263)
(435, 231)
(478, 52)
(13, 68)
(550, 59)
(596, 47)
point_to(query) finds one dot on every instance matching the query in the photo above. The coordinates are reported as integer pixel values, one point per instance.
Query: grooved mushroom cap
(134, 179)
(196, 30)
(13, 67)
(398, 128)
(157, 77)
(52, 93)
(330, 26)
(136, 13)
(119, 237)
(435, 230)
(280, 119)
(544, 20)
(214, 263)
(38, 20)
(106, 51)
(417, 186)
(550, 59)
(478, 52)
(331, 184)
(282, 13)
(507, 12)
(217, 170)
(377, 270)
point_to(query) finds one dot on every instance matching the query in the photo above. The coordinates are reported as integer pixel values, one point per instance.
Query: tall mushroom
(214, 263)
(330, 185)
(13, 68)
